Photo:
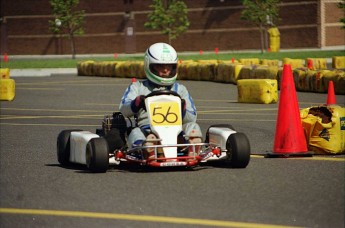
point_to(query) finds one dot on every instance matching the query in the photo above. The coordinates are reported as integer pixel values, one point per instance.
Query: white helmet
(160, 53)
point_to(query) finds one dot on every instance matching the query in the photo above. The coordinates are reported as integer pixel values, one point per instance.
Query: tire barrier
(316, 63)
(338, 62)
(317, 80)
(250, 61)
(270, 62)
(228, 72)
(264, 91)
(295, 63)
(308, 80)
(7, 89)
(4, 73)
(7, 85)
(324, 127)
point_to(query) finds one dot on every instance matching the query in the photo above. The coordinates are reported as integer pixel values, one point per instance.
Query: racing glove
(138, 103)
(183, 107)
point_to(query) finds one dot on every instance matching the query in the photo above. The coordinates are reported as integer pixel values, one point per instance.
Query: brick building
(117, 26)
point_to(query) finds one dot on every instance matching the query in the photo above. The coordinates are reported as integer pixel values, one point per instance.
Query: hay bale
(338, 62)
(295, 63)
(250, 61)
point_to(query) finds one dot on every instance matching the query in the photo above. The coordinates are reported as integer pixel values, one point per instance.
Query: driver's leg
(138, 138)
(194, 135)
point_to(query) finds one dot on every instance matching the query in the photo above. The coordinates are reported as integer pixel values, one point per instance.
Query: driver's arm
(191, 114)
(130, 94)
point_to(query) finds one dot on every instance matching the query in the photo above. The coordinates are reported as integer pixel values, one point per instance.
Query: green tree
(67, 20)
(262, 13)
(341, 5)
(170, 17)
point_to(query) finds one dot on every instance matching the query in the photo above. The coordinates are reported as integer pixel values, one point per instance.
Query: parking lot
(37, 192)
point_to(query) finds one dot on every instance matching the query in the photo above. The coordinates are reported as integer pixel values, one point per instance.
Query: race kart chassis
(108, 146)
(137, 155)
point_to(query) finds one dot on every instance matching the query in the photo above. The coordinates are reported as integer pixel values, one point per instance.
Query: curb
(43, 72)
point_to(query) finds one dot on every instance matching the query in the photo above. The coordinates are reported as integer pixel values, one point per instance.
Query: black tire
(97, 155)
(63, 146)
(217, 125)
(238, 150)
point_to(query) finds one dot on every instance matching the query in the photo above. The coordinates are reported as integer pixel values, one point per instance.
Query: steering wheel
(162, 92)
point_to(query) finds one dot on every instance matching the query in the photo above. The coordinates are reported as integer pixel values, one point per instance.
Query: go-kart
(108, 145)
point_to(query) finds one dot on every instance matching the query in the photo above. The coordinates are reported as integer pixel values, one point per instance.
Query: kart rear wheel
(97, 155)
(238, 150)
(63, 146)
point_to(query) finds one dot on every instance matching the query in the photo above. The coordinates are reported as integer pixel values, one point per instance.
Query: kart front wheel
(63, 146)
(238, 150)
(97, 155)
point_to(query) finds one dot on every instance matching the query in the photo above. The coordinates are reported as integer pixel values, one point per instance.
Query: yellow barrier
(338, 78)
(207, 71)
(295, 63)
(7, 89)
(300, 79)
(316, 63)
(4, 73)
(264, 91)
(325, 128)
(265, 72)
(270, 62)
(226, 71)
(249, 61)
(85, 68)
(338, 62)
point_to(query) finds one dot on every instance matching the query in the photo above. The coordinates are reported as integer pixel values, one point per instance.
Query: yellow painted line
(48, 117)
(59, 125)
(237, 120)
(74, 82)
(54, 110)
(21, 88)
(313, 158)
(143, 218)
(204, 100)
(241, 110)
(324, 159)
(100, 104)
(256, 156)
(241, 113)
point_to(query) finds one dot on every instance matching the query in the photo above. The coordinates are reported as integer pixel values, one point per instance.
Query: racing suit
(146, 87)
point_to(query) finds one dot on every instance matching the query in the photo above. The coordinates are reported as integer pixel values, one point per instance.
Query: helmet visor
(163, 70)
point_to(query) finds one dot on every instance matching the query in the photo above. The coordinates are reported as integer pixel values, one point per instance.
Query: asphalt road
(271, 192)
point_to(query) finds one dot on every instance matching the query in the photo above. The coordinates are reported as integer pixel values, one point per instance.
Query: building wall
(117, 26)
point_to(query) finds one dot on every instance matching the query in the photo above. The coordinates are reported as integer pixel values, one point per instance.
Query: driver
(160, 65)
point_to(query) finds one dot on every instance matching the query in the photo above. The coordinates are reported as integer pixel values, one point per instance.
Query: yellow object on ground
(7, 89)
(295, 63)
(316, 63)
(250, 61)
(4, 73)
(263, 91)
(338, 62)
(274, 39)
(324, 127)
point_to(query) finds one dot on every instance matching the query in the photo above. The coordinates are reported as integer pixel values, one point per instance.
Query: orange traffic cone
(289, 137)
(331, 94)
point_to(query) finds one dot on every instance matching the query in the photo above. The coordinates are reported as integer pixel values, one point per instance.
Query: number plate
(165, 113)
